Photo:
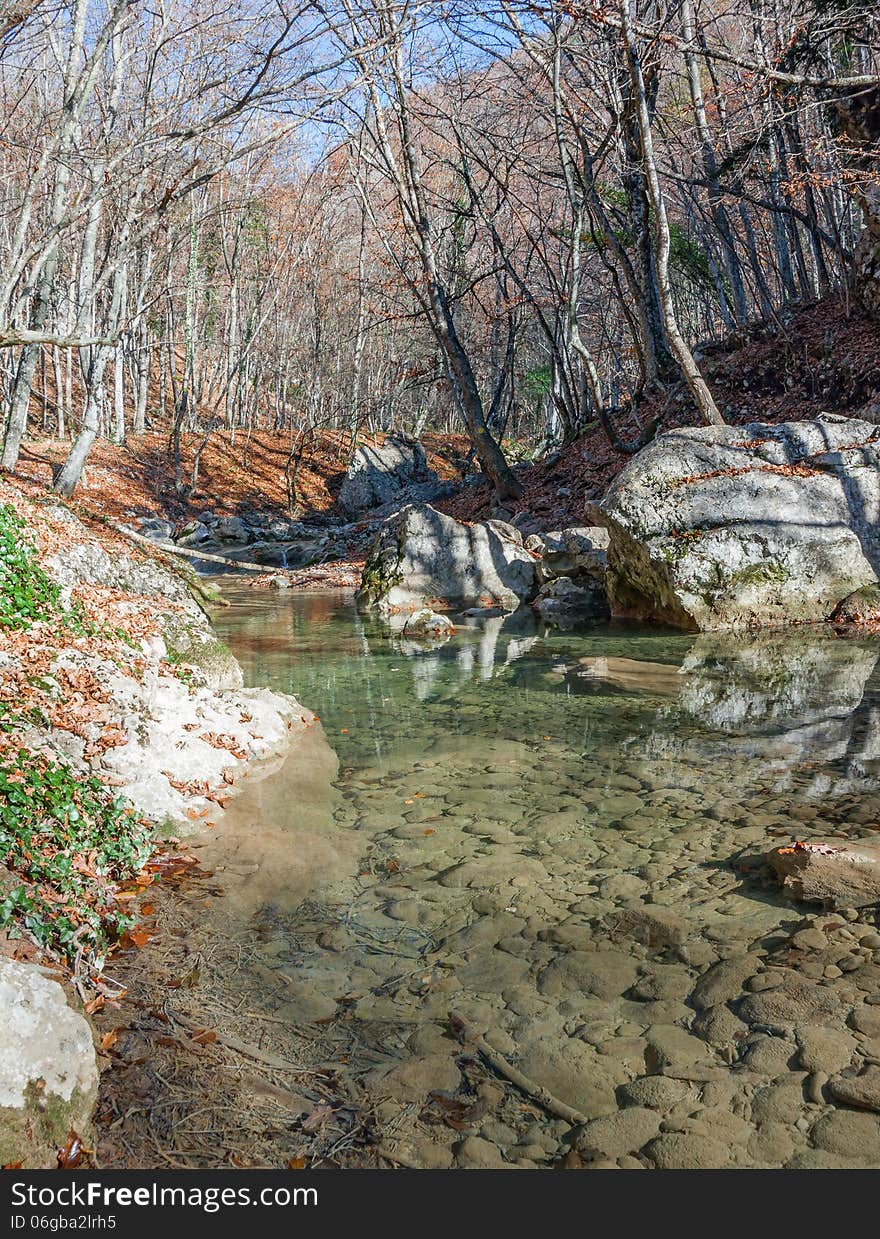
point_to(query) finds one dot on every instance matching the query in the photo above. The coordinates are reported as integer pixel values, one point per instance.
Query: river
(552, 835)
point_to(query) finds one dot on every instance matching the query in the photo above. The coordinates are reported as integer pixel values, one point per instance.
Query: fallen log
(186, 552)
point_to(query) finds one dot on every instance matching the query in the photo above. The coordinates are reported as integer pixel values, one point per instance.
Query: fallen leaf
(204, 1036)
(70, 1157)
(319, 1116)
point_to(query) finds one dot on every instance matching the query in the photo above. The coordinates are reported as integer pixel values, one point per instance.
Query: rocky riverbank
(123, 720)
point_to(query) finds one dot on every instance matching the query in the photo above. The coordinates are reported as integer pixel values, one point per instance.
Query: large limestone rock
(576, 553)
(184, 736)
(84, 560)
(380, 474)
(186, 629)
(726, 526)
(422, 558)
(48, 1068)
(183, 741)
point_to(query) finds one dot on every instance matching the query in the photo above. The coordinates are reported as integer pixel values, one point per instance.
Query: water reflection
(781, 698)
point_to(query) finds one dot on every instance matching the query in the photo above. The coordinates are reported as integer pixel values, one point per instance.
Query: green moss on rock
(34, 1133)
(195, 644)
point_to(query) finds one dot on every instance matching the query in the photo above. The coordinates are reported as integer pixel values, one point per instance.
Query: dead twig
(530, 1087)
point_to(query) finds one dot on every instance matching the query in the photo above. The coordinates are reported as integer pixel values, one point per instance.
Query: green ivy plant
(27, 595)
(67, 842)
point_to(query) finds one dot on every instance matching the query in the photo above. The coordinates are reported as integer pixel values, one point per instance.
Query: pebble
(688, 1151)
(850, 1133)
(824, 1049)
(474, 1153)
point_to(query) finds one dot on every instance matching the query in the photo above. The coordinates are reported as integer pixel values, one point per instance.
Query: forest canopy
(513, 219)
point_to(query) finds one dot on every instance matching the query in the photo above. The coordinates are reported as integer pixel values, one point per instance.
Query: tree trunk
(706, 405)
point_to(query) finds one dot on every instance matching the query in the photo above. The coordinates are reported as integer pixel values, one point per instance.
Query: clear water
(472, 817)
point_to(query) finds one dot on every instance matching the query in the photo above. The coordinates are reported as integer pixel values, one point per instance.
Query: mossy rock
(862, 606)
(48, 1069)
(194, 643)
(33, 1134)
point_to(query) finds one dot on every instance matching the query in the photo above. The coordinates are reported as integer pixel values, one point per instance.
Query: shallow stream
(553, 835)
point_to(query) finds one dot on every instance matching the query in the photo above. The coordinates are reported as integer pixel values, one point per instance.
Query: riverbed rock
(650, 924)
(850, 1133)
(688, 1151)
(824, 1049)
(859, 609)
(422, 558)
(796, 1001)
(620, 1133)
(605, 974)
(414, 1080)
(381, 473)
(576, 553)
(48, 1068)
(835, 874)
(724, 981)
(717, 527)
(861, 1091)
(565, 602)
(573, 1072)
(427, 623)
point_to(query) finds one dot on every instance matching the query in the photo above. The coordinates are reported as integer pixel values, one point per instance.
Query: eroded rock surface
(731, 526)
(380, 474)
(48, 1068)
(422, 558)
(836, 874)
